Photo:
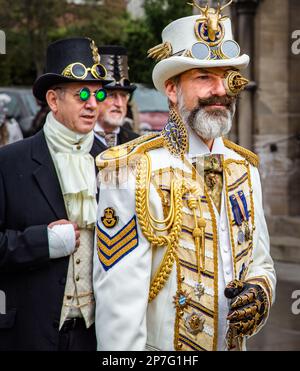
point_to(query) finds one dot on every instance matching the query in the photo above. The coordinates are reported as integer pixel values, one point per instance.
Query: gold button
(77, 278)
(78, 261)
(182, 278)
(179, 345)
(181, 313)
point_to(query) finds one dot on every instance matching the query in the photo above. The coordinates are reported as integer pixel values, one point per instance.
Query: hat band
(79, 71)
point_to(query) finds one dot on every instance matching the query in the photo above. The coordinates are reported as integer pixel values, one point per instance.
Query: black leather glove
(249, 306)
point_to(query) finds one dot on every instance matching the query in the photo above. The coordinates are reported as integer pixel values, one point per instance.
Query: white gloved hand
(62, 240)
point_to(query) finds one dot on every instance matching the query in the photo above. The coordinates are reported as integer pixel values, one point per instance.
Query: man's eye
(203, 77)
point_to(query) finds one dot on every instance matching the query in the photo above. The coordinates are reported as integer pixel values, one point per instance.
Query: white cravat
(75, 169)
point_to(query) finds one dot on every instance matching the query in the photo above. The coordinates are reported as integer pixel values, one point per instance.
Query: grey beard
(113, 122)
(208, 125)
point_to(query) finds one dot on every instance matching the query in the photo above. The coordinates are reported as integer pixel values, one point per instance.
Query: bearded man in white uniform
(182, 260)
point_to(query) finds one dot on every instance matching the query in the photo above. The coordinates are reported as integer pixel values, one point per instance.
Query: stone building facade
(268, 119)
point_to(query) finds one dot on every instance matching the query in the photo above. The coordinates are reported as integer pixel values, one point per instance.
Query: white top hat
(199, 41)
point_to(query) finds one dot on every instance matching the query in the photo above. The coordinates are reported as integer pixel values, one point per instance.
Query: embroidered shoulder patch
(112, 249)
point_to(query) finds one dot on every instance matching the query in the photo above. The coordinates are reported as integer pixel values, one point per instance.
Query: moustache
(225, 101)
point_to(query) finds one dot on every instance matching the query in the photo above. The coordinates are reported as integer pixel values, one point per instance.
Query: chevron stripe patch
(112, 249)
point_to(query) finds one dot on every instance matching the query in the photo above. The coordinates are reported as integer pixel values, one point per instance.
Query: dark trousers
(74, 336)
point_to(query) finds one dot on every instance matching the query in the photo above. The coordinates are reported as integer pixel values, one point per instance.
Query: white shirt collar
(198, 147)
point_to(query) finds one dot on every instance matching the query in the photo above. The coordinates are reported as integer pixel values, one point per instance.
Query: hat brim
(130, 89)
(46, 81)
(176, 65)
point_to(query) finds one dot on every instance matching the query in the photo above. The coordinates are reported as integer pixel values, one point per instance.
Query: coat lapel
(97, 148)
(126, 135)
(45, 175)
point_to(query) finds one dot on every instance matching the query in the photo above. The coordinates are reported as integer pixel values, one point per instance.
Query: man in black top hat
(110, 129)
(48, 209)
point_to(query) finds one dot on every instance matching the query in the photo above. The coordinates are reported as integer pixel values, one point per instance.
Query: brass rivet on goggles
(79, 71)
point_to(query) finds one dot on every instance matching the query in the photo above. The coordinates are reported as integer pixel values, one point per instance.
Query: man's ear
(171, 90)
(52, 100)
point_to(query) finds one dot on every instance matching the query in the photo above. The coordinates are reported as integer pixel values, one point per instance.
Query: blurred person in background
(112, 127)
(40, 117)
(10, 131)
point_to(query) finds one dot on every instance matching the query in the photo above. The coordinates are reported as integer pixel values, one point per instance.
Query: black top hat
(115, 60)
(70, 60)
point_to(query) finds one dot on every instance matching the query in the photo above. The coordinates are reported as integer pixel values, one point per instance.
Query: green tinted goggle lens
(85, 94)
(100, 95)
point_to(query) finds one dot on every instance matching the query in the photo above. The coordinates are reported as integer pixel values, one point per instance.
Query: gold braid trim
(248, 155)
(177, 344)
(148, 228)
(216, 271)
(118, 156)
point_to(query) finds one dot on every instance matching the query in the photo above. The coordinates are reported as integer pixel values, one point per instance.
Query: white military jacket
(146, 280)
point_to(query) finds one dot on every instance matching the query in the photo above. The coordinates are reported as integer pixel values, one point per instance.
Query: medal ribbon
(237, 213)
(243, 205)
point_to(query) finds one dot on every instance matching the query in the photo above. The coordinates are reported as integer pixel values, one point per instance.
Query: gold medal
(247, 232)
(194, 323)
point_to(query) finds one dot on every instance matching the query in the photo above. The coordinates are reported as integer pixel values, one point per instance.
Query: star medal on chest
(199, 290)
(109, 219)
(181, 299)
(194, 323)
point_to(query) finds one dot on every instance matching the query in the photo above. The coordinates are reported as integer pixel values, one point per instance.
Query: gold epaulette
(248, 155)
(119, 156)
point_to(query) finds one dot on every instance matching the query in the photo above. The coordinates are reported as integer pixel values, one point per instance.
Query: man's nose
(118, 100)
(92, 102)
(218, 87)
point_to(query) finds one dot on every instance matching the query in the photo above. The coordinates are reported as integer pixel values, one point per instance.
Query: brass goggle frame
(69, 71)
(226, 50)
